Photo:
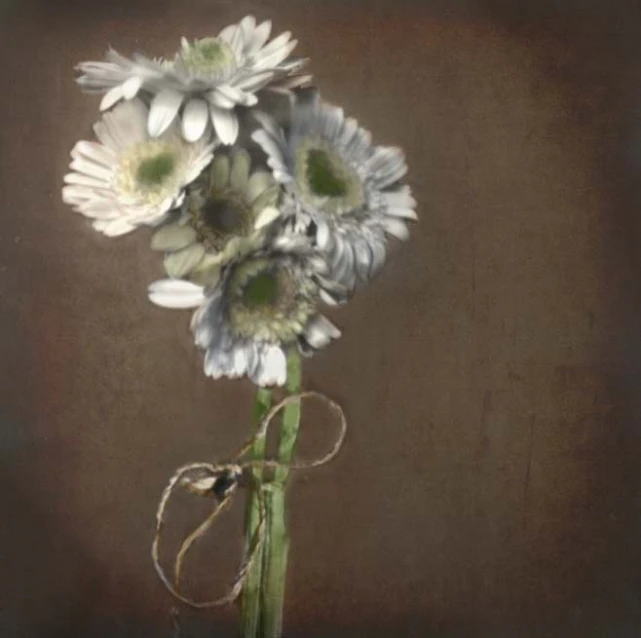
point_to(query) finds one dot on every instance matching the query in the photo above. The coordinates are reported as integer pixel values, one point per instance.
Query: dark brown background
(490, 485)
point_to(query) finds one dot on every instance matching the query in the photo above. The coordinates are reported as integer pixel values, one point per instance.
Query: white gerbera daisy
(226, 213)
(210, 76)
(336, 179)
(127, 179)
(263, 304)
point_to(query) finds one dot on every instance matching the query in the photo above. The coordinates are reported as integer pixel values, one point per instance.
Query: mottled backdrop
(490, 485)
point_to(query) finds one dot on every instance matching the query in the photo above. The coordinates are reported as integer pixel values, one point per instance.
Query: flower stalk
(264, 591)
(251, 599)
(277, 548)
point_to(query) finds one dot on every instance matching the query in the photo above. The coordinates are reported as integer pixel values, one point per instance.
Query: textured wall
(490, 483)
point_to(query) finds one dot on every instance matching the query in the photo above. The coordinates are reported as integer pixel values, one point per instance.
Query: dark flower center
(154, 170)
(224, 215)
(220, 217)
(262, 290)
(323, 176)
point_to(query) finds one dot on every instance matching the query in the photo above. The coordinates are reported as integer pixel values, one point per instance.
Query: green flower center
(325, 180)
(323, 176)
(270, 301)
(153, 171)
(262, 290)
(208, 57)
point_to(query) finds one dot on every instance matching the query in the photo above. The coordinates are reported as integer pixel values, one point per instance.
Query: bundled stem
(252, 591)
(275, 556)
(264, 590)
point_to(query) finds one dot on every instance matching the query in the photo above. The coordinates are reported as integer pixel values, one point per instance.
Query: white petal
(96, 152)
(259, 37)
(405, 213)
(275, 45)
(235, 96)
(86, 167)
(124, 126)
(248, 24)
(228, 33)
(113, 228)
(254, 81)
(164, 108)
(274, 59)
(323, 236)
(396, 227)
(320, 331)
(131, 87)
(225, 124)
(84, 180)
(111, 97)
(273, 367)
(216, 98)
(399, 199)
(175, 293)
(194, 120)
(270, 147)
(266, 217)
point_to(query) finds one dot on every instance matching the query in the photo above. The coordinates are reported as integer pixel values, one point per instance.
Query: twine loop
(221, 481)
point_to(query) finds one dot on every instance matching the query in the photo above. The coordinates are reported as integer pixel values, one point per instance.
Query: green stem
(252, 590)
(277, 546)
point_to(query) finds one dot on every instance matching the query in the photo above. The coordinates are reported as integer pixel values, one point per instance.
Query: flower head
(263, 304)
(226, 213)
(348, 189)
(209, 77)
(127, 179)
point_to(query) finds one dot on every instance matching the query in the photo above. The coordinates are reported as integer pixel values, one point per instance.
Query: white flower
(127, 179)
(227, 212)
(348, 189)
(263, 304)
(210, 77)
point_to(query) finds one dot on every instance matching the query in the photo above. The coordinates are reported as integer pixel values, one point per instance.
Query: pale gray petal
(173, 237)
(258, 182)
(220, 172)
(240, 170)
(180, 263)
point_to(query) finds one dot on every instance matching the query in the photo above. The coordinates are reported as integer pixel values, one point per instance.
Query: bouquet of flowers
(266, 203)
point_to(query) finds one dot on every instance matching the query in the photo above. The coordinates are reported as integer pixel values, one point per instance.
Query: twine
(221, 480)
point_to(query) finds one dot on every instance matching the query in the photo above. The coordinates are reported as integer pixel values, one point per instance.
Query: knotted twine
(221, 480)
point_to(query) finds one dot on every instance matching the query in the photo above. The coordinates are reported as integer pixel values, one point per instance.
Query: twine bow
(221, 481)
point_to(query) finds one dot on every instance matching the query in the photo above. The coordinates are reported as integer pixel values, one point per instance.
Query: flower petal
(225, 124)
(131, 87)
(182, 262)
(220, 172)
(259, 37)
(194, 120)
(320, 331)
(266, 217)
(240, 170)
(163, 111)
(258, 182)
(111, 97)
(396, 227)
(175, 293)
(173, 237)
